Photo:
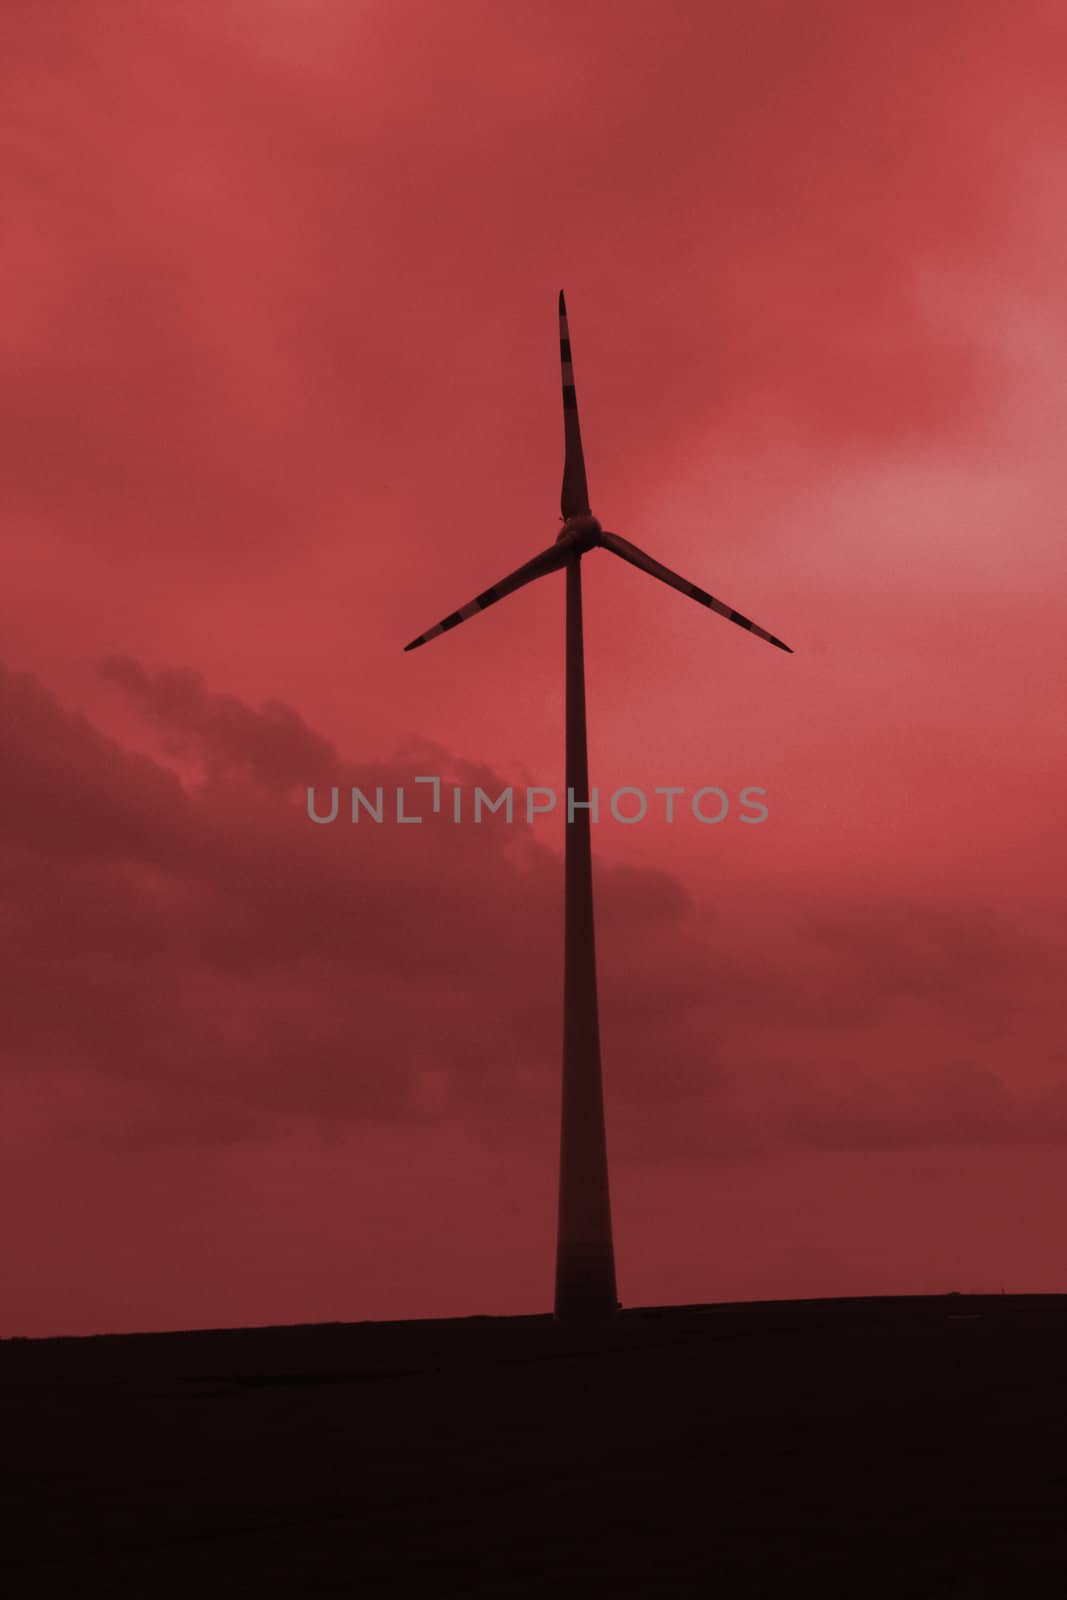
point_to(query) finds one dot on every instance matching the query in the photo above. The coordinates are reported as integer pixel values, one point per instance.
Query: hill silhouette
(869, 1447)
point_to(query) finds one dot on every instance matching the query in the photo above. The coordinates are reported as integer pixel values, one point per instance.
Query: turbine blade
(574, 499)
(638, 558)
(548, 561)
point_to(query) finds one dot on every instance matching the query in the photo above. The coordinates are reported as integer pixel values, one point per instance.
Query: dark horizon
(627, 1313)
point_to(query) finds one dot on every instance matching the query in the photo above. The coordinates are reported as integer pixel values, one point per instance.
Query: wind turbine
(585, 1256)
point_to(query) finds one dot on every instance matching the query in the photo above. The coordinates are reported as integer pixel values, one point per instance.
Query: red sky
(279, 290)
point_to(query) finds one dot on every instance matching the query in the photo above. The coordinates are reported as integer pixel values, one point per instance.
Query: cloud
(274, 744)
(202, 949)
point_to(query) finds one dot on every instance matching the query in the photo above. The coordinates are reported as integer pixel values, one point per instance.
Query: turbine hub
(583, 531)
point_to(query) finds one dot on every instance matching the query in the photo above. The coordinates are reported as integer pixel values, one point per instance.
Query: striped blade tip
(562, 304)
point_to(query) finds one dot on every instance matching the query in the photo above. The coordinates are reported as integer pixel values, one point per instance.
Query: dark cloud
(229, 962)
(273, 744)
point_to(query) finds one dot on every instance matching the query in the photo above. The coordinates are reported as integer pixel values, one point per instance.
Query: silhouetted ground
(862, 1447)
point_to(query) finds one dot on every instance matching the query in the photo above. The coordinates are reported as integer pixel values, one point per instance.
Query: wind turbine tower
(585, 1254)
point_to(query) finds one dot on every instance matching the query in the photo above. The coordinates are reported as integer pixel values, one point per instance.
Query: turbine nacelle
(582, 532)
